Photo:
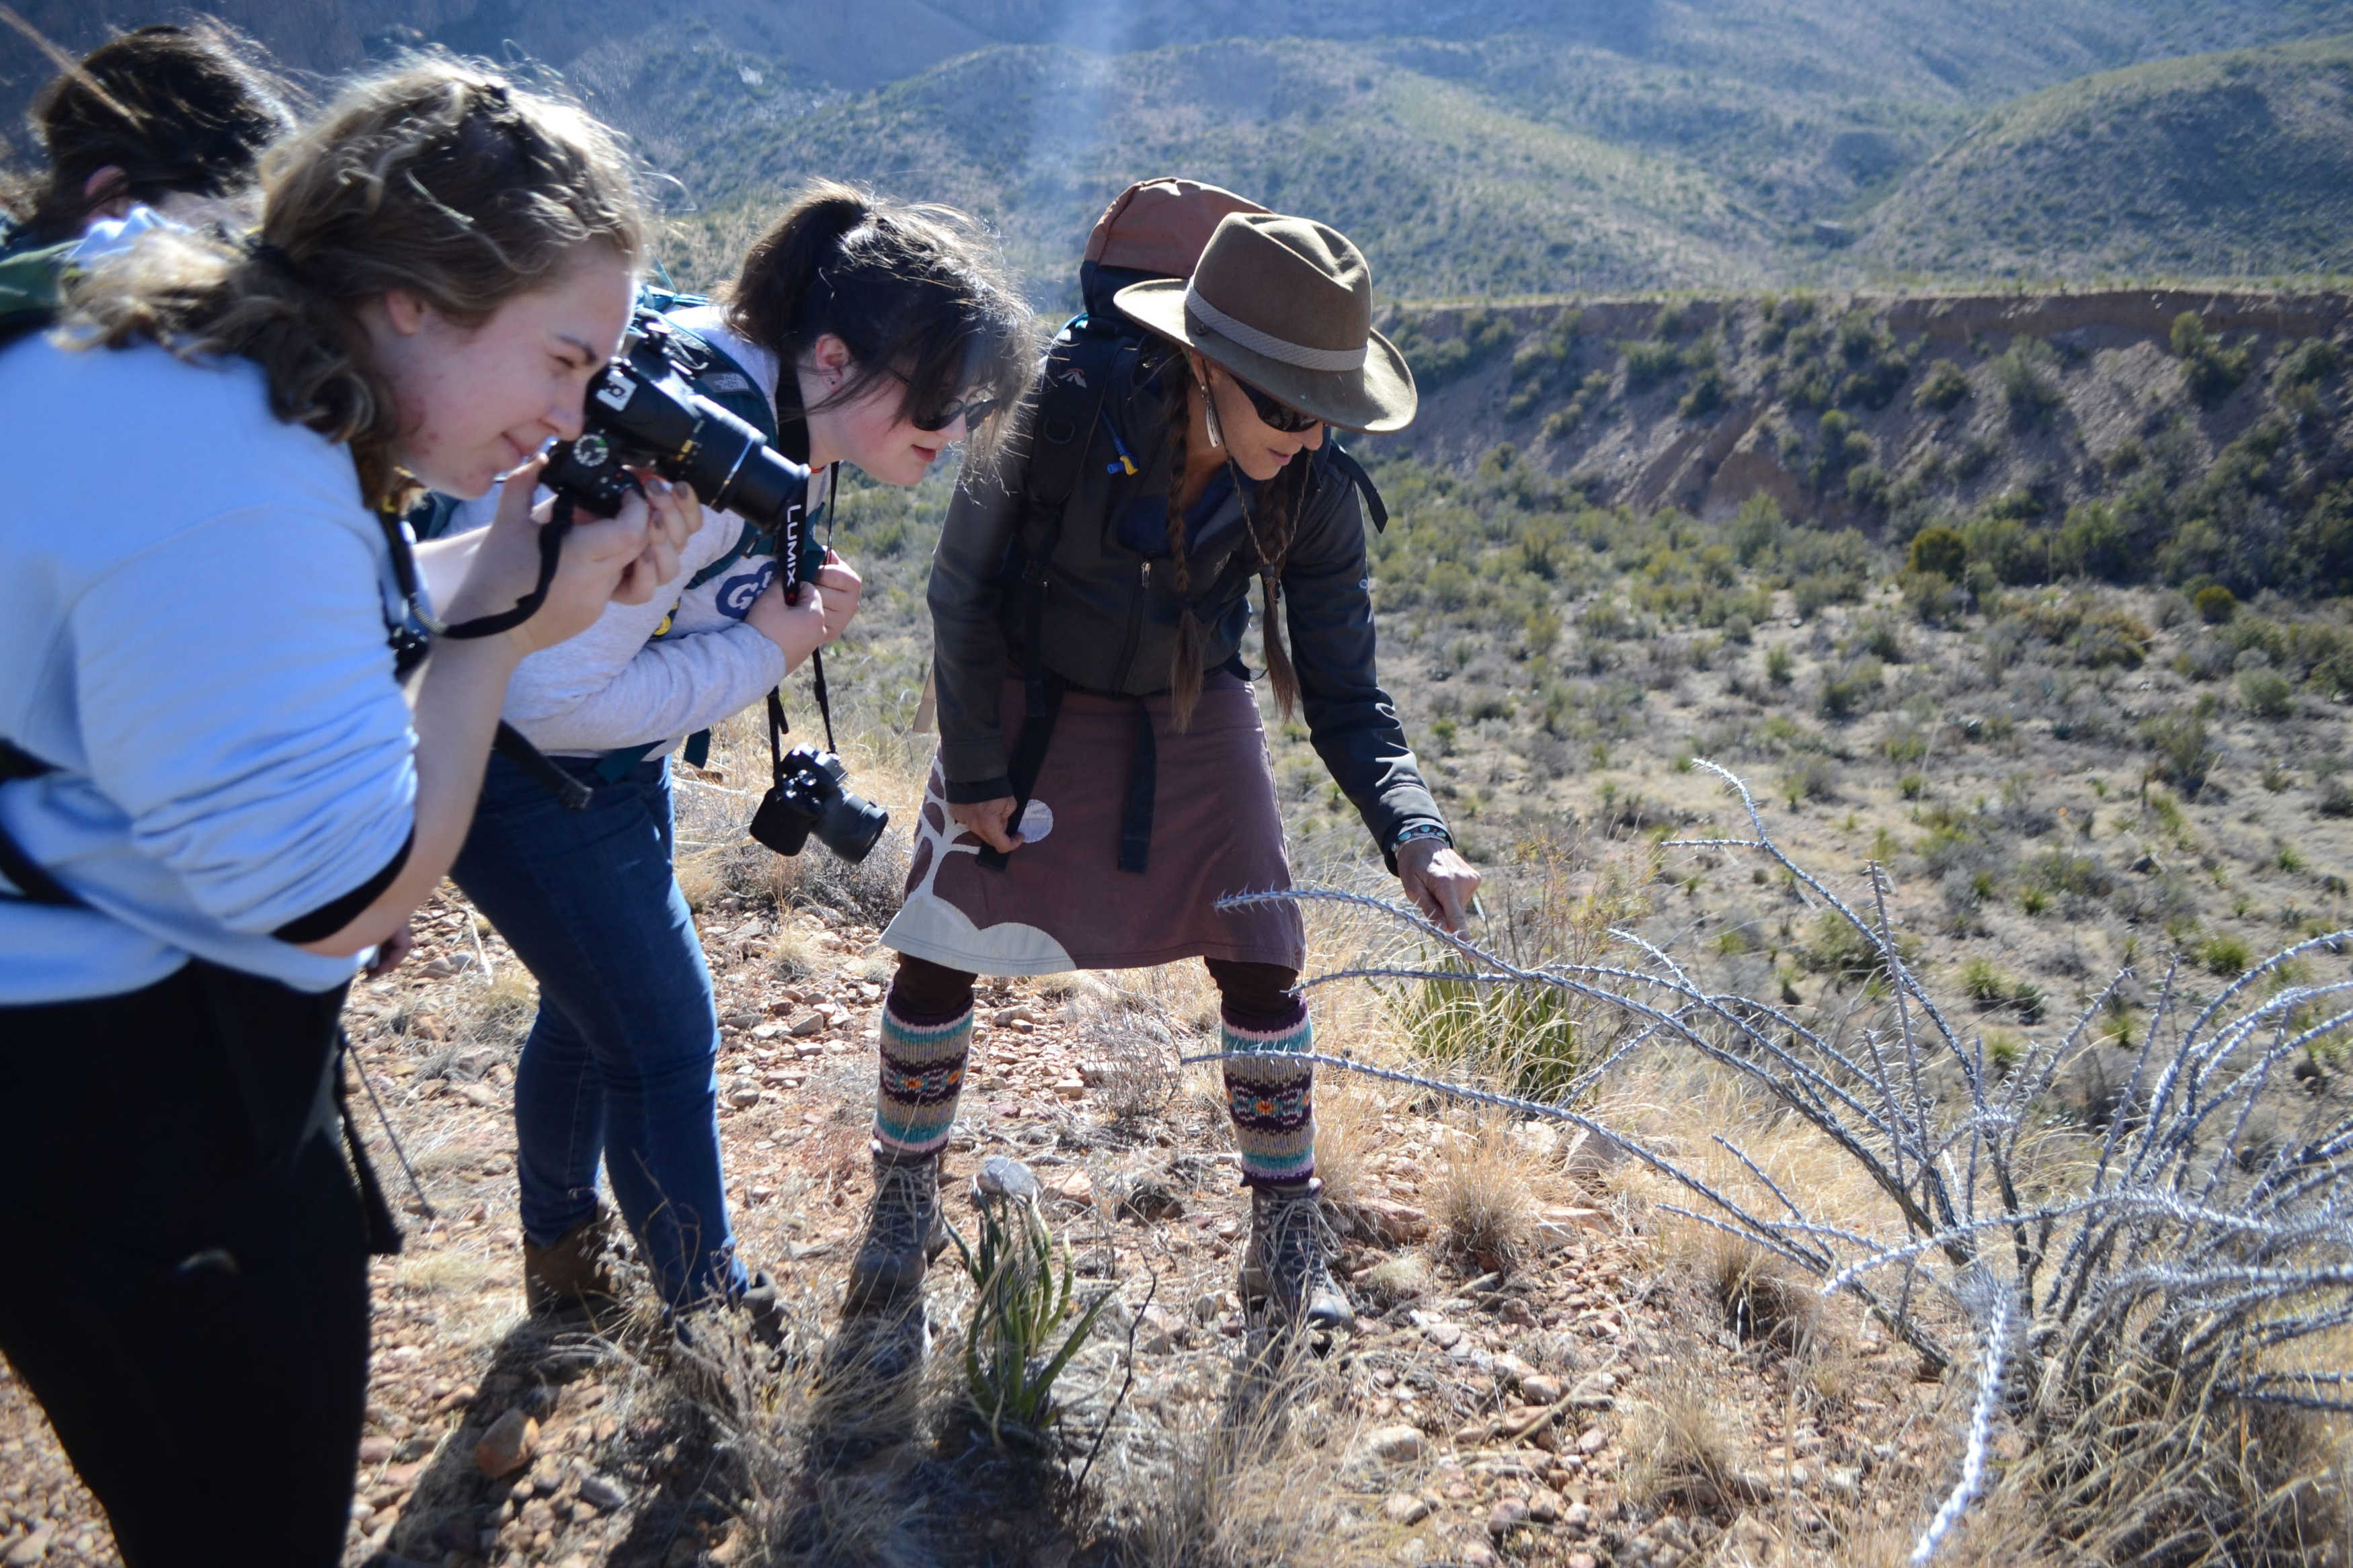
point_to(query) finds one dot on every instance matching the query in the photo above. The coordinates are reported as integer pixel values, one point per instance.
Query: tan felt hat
(1285, 303)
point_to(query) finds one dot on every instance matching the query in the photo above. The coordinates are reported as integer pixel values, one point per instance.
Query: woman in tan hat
(1102, 777)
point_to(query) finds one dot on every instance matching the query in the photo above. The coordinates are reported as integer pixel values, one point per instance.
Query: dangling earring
(1209, 414)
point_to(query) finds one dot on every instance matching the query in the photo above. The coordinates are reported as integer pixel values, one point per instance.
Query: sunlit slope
(1452, 193)
(2235, 164)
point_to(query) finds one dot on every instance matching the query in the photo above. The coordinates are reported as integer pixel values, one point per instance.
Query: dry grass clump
(1265, 1485)
(1678, 1451)
(1764, 1300)
(1482, 1202)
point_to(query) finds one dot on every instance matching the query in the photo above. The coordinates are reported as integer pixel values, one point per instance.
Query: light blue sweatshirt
(192, 628)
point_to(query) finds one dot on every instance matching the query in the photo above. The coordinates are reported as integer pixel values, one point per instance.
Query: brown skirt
(1062, 902)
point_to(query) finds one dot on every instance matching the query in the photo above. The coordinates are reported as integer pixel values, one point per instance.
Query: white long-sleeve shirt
(652, 674)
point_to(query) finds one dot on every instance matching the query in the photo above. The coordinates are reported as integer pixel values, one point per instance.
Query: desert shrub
(1650, 361)
(1941, 550)
(2307, 365)
(2182, 752)
(1705, 397)
(2096, 540)
(1481, 335)
(2210, 371)
(2215, 603)
(2266, 692)
(1851, 689)
(2014, 552)
(1944, 388)
(2064, 871)
(2027, 375)
(1876, 368)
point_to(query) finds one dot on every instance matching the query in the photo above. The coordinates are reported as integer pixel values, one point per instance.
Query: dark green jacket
(1111, 609)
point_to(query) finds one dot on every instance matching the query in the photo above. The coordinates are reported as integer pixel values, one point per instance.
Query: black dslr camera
(643, 414)
(809, 797)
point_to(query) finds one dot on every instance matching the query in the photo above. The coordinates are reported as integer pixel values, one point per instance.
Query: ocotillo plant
(2155, 1298)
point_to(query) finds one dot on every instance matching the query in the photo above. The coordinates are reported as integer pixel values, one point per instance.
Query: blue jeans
(622, 1062)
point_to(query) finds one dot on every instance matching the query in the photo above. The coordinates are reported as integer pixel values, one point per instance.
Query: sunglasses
(972, 410)
(1274, 413)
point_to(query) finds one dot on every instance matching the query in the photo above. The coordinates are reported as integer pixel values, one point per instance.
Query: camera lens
(849, 825)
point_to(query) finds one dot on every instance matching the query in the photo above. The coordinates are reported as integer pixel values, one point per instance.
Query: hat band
(1267, 343)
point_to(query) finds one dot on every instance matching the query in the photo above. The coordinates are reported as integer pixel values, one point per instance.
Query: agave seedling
(1019, 1300)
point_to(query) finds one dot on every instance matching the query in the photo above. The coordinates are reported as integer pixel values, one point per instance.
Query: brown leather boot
(1286, 1274)
(574, 1275)
(903, 1233)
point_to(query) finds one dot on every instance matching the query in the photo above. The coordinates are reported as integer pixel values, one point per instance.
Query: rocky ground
(1542, 1373)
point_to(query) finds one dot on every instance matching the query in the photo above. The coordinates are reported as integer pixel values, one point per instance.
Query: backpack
(32, 288)
(1154, 229)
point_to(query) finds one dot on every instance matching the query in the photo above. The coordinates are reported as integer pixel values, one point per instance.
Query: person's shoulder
(708, 321)
(138, 442)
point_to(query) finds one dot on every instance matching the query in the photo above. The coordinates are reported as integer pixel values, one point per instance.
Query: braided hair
(1269, 539)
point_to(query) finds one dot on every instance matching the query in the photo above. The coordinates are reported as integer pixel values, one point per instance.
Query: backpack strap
(33, 881)
(711, 370)
(1081, 370)
(1346, 462)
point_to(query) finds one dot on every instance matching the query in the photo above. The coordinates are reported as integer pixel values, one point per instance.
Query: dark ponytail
(916, 292)
(1185, 663)
(179, 111)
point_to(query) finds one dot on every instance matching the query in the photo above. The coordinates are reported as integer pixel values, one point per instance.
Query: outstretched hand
(1438, 881)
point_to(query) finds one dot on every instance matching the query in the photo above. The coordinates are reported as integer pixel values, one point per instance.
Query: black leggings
(1255, 995)
(186, 1277)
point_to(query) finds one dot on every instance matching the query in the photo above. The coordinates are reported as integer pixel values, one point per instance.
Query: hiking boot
(904, 1234)
(574, 1275)
(1286, 1278)
(763, 1310)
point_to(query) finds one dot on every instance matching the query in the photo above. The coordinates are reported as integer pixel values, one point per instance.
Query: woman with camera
(220, 796)
(1192, 461)
(878, 333)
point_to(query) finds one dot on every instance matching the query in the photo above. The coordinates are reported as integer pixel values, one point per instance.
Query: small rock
(1070, 1087)
(1506, 1516)
(1005, 1017)
(1545, 1506)
(375, 1448)
(478, 1094)
(1207, 1306)
(32, 1548)
(601, 1494)
(767, 1031)
(1473, 1555)
(1539, 1387)
(744, 1098)
(1593, 1440)
(1002, 1176)
(1583, 1560)
(1397, 1444)
(1443, 1334)
(508, 1446)
(1517, 1314)
(1078, 1187)
(1152, 1201)
(1163, 1331)
(1389, 1223)
(1513, 1369)
(1404, 1508)
(807, 1024)
(1577, 1518)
